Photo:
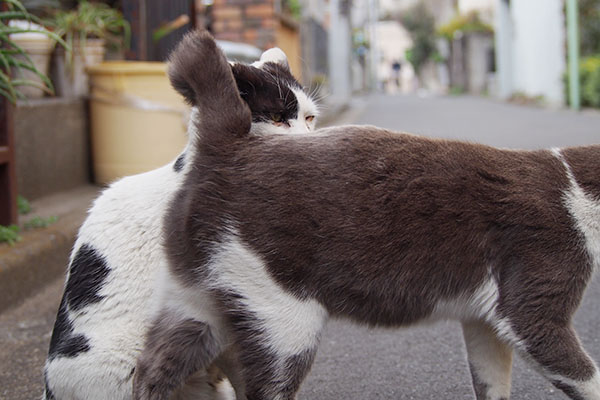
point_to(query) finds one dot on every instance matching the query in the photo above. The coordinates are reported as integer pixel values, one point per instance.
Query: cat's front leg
(490, 361)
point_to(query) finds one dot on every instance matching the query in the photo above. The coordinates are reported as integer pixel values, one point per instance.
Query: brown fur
(381, 227)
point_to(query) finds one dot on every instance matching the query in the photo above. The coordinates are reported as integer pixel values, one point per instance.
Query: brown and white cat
(382, 228)
(116, 263)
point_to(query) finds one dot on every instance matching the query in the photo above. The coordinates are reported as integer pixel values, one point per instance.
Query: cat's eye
(276, 117)
(310, 118)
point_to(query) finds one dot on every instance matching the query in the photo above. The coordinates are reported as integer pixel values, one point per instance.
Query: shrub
(590, 81)
(23, 205)
(464, 23)
(589, 78)
(420, 23)
(9, 234)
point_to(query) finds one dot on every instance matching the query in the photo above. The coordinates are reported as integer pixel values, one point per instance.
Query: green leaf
(9, 234)
(13, 15)
(23, 205)
(8, 95)
(39, 222)
(10, 88)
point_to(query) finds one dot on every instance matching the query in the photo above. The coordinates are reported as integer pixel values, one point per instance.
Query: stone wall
(249, 21)
(51, 146)
(260, 23)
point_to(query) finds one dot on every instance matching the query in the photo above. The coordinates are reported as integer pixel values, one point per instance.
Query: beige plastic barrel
(138, 122)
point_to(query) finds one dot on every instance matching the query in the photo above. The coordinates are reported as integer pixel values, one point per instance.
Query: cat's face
(278, 103)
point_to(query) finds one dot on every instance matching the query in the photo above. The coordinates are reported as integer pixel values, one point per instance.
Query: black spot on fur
(178, 166)
(87, 274)
(268, 91)
(63, 342)
(48, 395)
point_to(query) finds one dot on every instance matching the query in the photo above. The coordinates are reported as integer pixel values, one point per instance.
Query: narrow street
(356, 363)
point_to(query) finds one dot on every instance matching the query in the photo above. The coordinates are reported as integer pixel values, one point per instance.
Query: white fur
(585, 210)
(274, 55)
(490, 359)
(292, 325)
(125, 225)
(480, 304)
(306, 109)
(589, 389)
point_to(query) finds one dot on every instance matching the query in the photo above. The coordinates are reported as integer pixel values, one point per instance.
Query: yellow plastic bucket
(137, 120)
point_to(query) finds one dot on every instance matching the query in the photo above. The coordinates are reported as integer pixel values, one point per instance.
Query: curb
(40, 257)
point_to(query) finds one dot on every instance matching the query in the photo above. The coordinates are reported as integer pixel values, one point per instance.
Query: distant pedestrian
(396, 68)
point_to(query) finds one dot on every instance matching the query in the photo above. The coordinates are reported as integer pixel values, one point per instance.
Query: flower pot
(137, 121)
(71, 79)
(39, 48)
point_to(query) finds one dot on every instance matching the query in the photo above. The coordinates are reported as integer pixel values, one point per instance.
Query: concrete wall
(530, 37)
(51, 146)
(539, 62)
(340, 48)
(479, 48)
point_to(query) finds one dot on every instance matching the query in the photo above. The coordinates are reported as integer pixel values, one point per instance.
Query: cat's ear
(273, 55)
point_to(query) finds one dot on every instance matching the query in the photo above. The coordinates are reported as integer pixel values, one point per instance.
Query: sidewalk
(41, 255)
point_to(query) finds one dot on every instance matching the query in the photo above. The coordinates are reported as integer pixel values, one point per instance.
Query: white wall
(539, 40)
(535, 50)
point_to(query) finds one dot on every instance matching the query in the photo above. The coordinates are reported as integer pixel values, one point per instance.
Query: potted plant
(88, 30)
(22, 69)
(14, 61)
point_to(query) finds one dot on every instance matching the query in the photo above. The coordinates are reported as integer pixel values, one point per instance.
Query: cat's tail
(200, 72)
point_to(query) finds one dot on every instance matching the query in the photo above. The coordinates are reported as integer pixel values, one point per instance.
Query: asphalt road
(356, 363)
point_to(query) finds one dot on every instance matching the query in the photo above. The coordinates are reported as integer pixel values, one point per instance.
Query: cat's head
(276, 99)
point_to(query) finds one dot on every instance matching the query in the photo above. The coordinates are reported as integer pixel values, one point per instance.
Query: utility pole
(573, 45)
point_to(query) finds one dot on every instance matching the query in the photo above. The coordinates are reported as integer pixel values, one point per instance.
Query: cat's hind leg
(557, 353)
(206, 384)
(175, 349)
(276, 332)
(490, 361)
(272, 369)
